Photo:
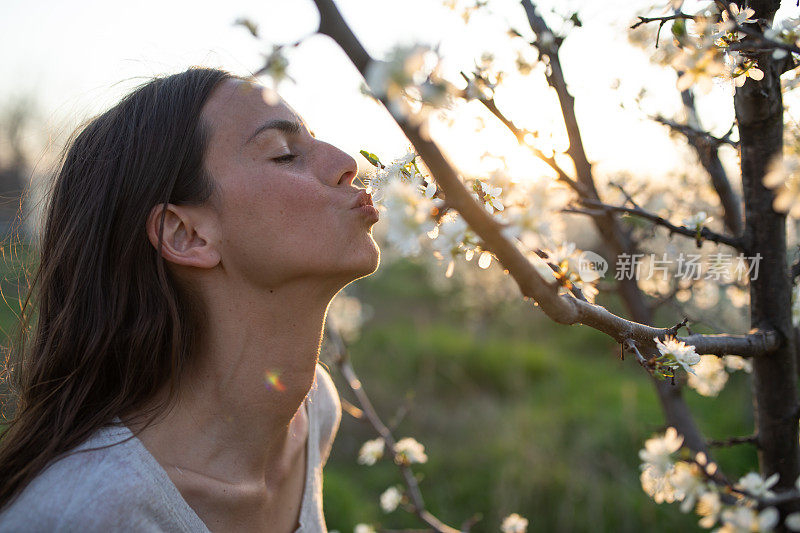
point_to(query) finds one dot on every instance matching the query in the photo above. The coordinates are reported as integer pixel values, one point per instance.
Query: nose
(343, 165)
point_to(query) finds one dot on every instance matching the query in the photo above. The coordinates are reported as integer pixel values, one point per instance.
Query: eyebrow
(286, 126)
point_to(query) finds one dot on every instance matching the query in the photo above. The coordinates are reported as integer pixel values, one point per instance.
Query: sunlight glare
(272, 381)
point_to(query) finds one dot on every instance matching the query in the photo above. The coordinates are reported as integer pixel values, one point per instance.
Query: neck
(248, 380)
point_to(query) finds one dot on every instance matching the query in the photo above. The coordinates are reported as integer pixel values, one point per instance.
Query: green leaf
(372, 158)
(251, 26)
(679, 28)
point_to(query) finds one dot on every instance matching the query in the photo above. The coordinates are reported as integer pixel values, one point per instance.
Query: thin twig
(732, 441)
(730, 492)
(342, 361)
(704, 232)
(630, 345)
(661, 20)
(696, 133)
(520, 134)
(757, 36)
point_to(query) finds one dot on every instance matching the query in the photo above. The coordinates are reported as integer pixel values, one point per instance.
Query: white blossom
(346, 315)
(755, 485)
(656, 484)
(697, 221)
(407, 216)
(390, 499)
(709, 506)
(371, 451)
(477, 89)
(709, 376)
(658, 450)
(491, 197)
(698, 67)
(688, 484)
(568, 260)
(784, 177)
(514, 523)
(364, 528)
(745, 520)
(545, 41)
(740, 68)
(565, 257)
(408, 451)
(736, 362)
(405, 78)
(388, 78)
(676, 353)
(793, 521)
(661, 478)
(739, 17)
(430, 189)
(450, 235)
(786, 31)
(401, 169)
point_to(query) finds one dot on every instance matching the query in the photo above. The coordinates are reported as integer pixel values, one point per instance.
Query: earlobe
(186, 239)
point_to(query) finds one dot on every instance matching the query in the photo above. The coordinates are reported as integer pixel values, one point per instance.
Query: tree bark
(759, 114)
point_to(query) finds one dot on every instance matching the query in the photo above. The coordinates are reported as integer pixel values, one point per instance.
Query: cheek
(281, 222)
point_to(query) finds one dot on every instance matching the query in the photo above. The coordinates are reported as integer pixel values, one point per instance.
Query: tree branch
(732, 441)
(342, 361)
(693, 133)
(563, 309)
(759, 110)
(756, 36)
(708, 154)
(754, 344)
(661, 20)
(615, 237)
(491, 105)
(705, 233)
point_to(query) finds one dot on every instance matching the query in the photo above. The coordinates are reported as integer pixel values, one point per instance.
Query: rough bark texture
(759, 113)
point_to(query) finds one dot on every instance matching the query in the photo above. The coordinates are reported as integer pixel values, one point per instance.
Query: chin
(372, 263)
(367, 264)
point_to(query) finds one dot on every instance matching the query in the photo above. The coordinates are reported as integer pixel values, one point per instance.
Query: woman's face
(285, 203)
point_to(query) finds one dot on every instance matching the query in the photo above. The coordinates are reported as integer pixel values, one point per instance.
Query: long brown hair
(112, 327)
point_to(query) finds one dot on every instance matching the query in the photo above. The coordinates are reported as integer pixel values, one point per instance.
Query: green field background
(517, 413)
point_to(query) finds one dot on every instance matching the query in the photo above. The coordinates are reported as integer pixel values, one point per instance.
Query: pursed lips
(363, 198)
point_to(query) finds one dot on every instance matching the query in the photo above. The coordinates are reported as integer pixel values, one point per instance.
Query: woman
(195, 235)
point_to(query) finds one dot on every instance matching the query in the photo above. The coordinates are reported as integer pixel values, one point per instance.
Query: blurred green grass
(17, 262)
(517, 414)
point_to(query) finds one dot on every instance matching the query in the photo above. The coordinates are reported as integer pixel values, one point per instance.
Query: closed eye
(286, 158)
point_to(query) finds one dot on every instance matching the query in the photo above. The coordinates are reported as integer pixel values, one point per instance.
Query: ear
(189, 235)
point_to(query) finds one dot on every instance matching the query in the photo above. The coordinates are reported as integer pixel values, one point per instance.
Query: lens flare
(272, 382)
